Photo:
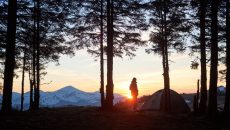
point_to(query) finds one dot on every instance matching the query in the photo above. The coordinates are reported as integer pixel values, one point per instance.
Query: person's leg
(134, 103)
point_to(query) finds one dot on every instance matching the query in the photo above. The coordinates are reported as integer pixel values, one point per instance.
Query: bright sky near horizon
(83, 72)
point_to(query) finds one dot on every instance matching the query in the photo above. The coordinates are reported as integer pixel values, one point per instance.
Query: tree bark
(197, 95)
(37, 90)
(163, 98)
(23, 77)
(203, 78)
(166, 67)
(10, 56)
(31, 91)
(227, 94)
(33, 80)
(167, 81)
(109, 87)
(212, 106)
(102, 58)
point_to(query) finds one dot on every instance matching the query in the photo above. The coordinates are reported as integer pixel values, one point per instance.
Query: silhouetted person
(134, 92)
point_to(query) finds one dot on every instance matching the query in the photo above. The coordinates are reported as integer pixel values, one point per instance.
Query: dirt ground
(82, 118)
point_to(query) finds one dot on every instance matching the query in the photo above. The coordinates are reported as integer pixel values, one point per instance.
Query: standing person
(134, 92)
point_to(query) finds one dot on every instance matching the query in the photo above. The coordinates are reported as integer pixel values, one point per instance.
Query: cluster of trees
(213, 38)
(31, 36)
(34, 33)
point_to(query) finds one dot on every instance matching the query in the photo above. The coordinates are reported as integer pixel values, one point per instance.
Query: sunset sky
(83, 72)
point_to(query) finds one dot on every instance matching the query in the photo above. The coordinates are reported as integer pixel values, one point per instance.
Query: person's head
(134, 79)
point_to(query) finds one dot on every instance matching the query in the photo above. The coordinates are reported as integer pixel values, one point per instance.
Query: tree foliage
(169, 24)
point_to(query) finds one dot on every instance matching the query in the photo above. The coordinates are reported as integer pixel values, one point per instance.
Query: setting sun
(129, 96)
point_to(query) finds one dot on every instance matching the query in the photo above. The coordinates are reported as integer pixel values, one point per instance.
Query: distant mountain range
(67, 96)
(70, 96)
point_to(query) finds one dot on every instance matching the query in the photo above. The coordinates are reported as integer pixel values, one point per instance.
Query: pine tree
(102, 56)
(212, 104)
(203, 97)
(207, 39)
(23, 77)
(53, 28)
(126, 35)
(110, 44)
(169, 20)
(50, 36)
(122, 37)
(37, 88)
(10, 55)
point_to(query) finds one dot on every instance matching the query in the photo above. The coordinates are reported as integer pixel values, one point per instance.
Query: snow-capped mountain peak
(69, 89)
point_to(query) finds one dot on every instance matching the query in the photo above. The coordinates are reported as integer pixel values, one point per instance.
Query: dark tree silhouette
(110, 33)
(51, 35)
(196, 98)
(102, 55)
(207, 37)
(52, 30)
(94, 20)
(122, 36)
(37, 88)
(212, 104)
(126, 35)
(10, 55)
(23, 77)
(168, 18)
(227, 94)
(33, 85)
(203, 78)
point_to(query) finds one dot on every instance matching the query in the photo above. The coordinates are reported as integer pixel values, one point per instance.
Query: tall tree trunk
(23, 77)
(227, 94)
(37, 90)
(166, 75)
(212, 106)
(31, 91)
(197, 95)
(164, 97)
(10, 56)
(33, 81)
(109, 87)
(167, 80)
(166, 64)
(203, 78)
(102, 58)
(198, 91)
(196, 98)
(165, 101)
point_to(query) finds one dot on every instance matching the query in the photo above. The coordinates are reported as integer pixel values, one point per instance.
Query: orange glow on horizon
(129, 96)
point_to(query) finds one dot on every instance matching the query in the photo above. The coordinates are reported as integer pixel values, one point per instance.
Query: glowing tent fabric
(178, 104)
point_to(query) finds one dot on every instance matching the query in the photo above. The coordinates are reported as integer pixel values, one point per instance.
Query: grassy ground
(81, 118)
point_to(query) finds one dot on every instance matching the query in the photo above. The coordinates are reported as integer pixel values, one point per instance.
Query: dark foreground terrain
(81, 118)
